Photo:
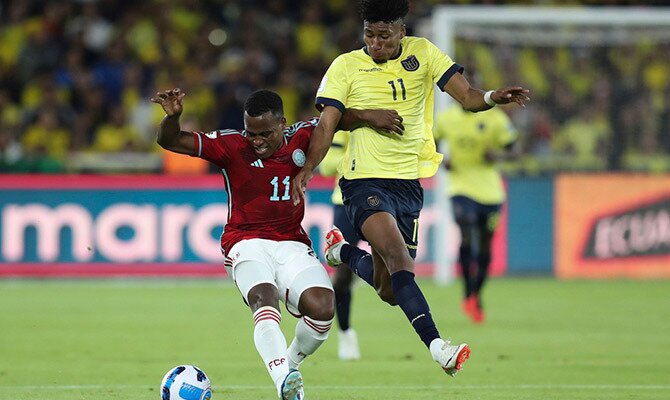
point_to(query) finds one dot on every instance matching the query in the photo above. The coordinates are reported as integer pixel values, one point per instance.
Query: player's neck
(395, 56)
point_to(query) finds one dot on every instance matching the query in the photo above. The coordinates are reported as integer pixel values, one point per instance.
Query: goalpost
(592, 38)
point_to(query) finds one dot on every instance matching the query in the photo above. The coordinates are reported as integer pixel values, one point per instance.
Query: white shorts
(292, 267)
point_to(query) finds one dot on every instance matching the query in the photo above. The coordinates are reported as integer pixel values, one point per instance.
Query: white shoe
(451, 358)
(347, 348)
(334, 242)
(292, 387)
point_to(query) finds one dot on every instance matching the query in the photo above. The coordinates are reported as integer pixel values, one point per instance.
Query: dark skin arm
(472, 99)
(385, 120)
(170, 135)
(330, 121)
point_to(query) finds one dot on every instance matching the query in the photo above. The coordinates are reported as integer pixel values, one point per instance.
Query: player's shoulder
(301, 128)
(351, 57)
(417, 43)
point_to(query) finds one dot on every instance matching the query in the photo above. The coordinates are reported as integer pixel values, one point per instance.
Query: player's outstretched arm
(319, 143)
(381, 120)
(473, 99)
(170, 135)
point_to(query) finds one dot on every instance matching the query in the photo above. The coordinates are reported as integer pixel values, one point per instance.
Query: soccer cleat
(292, 388)
(334, 242)
(472, 309)
(347, 348)
(451, 358)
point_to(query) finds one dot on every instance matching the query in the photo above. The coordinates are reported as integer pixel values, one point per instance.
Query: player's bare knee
(261, 296)
(318, 304)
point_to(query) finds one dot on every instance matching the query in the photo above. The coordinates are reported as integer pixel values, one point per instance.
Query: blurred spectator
(78, 59)
(117, 135)
(46, 142)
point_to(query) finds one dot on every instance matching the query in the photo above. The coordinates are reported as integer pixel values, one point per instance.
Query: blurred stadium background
(588, 196)
(85, 191)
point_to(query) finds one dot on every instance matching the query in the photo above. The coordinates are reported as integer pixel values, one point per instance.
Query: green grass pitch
(543, 339)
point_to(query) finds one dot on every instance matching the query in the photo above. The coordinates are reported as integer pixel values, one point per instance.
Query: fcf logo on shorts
(374, 201)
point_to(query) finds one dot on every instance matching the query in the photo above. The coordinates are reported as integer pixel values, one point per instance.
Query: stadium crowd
(76, 78)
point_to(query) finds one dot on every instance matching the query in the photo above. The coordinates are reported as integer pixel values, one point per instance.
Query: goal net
(600, 89)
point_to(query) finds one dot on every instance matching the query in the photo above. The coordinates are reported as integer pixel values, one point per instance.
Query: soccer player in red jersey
(267, 252)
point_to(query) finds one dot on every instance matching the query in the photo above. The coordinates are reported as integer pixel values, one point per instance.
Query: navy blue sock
(413, 303)
(359, 261)
(343, 307)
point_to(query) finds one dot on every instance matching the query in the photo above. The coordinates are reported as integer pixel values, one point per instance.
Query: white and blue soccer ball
(186, 382)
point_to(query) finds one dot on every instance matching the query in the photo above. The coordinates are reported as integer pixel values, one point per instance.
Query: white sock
(309, 335)
(271, 343)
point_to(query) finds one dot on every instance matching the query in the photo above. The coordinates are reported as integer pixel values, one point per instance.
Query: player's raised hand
(385, 120)
(171, 101)
(300, 185)
(511, 94)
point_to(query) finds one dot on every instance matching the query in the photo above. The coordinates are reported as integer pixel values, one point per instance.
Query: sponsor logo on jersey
(258, 164)
(374, 69)
(299, 157)
(410, 63)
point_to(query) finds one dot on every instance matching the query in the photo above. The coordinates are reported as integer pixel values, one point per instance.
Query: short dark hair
(262, 101)
(383, 10)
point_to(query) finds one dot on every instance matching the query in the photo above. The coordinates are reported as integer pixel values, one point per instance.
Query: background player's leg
(342, 280)
(465, 258)
(466, 218)
(317, 306)
(486, 227)
(483, 256)
(347, 348)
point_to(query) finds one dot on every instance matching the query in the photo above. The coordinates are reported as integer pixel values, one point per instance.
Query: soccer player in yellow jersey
(381, 169)
(475, 141)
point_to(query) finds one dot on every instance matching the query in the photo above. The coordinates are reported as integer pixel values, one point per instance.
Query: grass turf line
(542, 339)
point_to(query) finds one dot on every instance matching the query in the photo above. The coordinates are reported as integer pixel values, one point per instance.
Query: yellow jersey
(469, 136)
(404, 84)
(331, 162)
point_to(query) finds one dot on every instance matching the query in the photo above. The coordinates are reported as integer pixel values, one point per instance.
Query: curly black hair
(262, 101)
(383, 10)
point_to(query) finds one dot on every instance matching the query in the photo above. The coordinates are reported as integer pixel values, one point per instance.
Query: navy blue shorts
(341, 220)
(470, 212)
(399, 197)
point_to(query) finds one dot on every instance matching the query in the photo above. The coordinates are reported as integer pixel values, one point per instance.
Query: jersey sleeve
(215, 146)
(441, 66)
(334, 87)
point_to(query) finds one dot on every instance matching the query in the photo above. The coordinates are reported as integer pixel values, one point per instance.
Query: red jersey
(259, 191)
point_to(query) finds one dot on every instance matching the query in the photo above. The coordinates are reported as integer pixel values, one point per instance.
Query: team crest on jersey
(410, 63)
(299, 157)
(212, 135)
(374, 201)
